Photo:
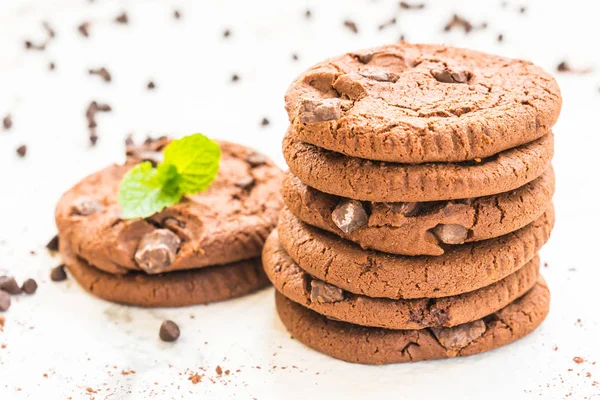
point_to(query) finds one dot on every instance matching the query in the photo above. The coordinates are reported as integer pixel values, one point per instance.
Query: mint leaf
(196, 158)
(144, 191)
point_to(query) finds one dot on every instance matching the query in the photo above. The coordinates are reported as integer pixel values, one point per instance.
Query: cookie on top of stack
(418, 196)
(204, 248)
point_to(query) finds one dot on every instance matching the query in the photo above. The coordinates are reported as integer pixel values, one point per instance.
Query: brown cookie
(366, 345)
(371, 273)
(414, 103)
(361, 179)
(410, 228)
(297, 285)
(228, 222)
(174, 289)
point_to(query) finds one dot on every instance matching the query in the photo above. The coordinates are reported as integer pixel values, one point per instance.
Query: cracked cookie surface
(461, 269)
(367, 345)
(367, 180)
(228, 222)
(415, 103)
(407, 228)
(297, 285)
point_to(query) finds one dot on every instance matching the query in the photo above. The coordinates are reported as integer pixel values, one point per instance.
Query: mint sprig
(190, 165)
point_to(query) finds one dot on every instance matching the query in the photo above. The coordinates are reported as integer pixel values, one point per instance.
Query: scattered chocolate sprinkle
(226, 33)
(578, 360)
(387, 24)
(523, 10)
(48, 28)
(7, 122)
(84, 29)
(235, 78)
(151, 85)
(351, 25)
(33, 46)
(219, 370)
(22, 150)
(265, 122)
(58, 274)
(52, 245)
(29, 286)
(4, 301)
(129, 140)
(9, 285)
(459, 22)
(52, 66)
(122, 19)
(411, 6)
(308, 14)
(90, 115)
(295, 56)
(564, 66)
(169, 331)
(402, 37)
(177, 14)
(102, 73)
(500, 37)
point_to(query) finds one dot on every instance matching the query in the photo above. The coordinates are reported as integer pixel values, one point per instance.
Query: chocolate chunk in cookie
(459, 336)
(85, 206)
(246, 183)
(445, 75)
(256, 159)
(349, 215)
(322, 292)
(312, 111)
(157, 250)
(451, 233)
(377, 74)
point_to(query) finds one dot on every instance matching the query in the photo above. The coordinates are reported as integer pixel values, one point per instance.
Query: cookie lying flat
(415, 103)
(367, 180)
(410, 228)
(366, 345)
(174, 289)
(371, 273)
(295, 284)
(228, 222)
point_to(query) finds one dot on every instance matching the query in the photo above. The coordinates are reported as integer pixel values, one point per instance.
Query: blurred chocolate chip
(151, 85)
(93, 138)
(295, 56)
(29, 286)
(349, 215)
(51, 66)
(564, 66)
(459, 336)
(523, 10)
(387, 24)
(85, 206)
(364, 58)
(4, 300)
(312, 111)
(129, 141)
(58, 274)
(256, 159)
(407, 209)
(51, 32)
(321, 292)
(308, 14)
(84, 29)
(459, 22)
(102, 73)
(411, 6)
(154, 157)
(447, 76)
(157, 251)
(235, 78)
(169, 331)
(122, 18)
(378, 74)
(9, 285)
(90, 114)
(226, 33)
(451, 233)
(22, 150)
(500, 37)
(177, 14)
(351, 25)
(29, 45)
(7, 122)
(52, 245)
(172, 224)
(247, 182)
(264, 122)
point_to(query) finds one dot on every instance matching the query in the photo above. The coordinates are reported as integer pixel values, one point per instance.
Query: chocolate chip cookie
(367, 345)
(415, 103)
(329, 300)
(227, 223)
(461, 269)
(367, 180)
(419, 228)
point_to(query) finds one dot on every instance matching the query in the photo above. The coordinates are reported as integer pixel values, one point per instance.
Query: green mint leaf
(144, 190)
(196, 158)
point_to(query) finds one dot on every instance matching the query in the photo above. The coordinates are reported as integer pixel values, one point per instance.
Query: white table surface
(81, 342)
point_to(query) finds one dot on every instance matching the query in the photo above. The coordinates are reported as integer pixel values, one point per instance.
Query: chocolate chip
(84, 29)
(349, 215)
(321, 292)
(29, 286)
(29, 45)
(295, 56)
(247, 182)
(256, 159)
(235, 78)
(308, 14)
(129, 141)
(500, 37)
(407, 209)
(451, 233)
(459, 336)
(265, 122)
(51, 32)
(565, 67)
(523, 10)
(9, 285)
(177, 14)
(226, 33)
(447, 76)
(351, 25)
(122, 19)
(151, 85)
(409, 6)
(157, 251)
(173, 224)
(85, 206)
(7, 122)
(378, 74)
(52, 245)
(51, 66)
(169, 331)
(459, 22)
(22, 150)
(90, 114)
(4, 300)
(93, 138)
(364, 58)
(102, 73)
(58, 274)
(387, 23)
(312, 111)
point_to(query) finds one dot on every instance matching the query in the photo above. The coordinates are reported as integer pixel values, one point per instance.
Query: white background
(81, 342)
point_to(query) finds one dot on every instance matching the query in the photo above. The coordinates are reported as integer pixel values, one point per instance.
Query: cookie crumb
(219, 370)
(578, 360)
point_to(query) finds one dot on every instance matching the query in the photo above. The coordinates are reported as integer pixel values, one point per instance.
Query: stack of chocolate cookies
(205, 248)
(418, 197)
